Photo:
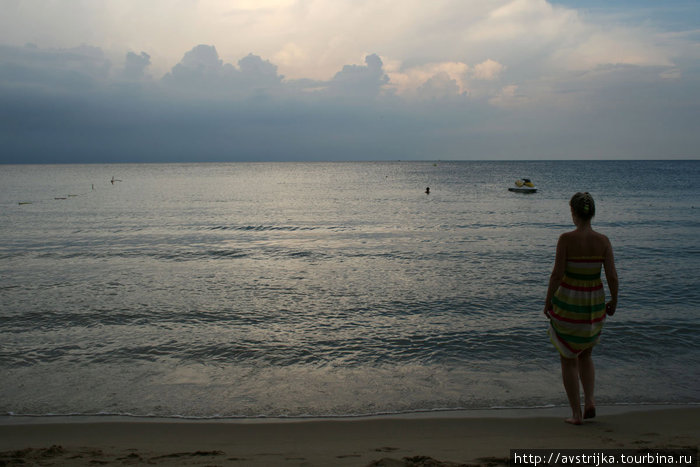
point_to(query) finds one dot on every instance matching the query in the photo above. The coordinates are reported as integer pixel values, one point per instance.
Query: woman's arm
(557, 273)
(611, 276)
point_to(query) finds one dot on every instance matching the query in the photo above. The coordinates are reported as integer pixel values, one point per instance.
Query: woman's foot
(589, 412)
(574, 421)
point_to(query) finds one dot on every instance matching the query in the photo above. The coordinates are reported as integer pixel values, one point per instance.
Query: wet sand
(445, 438)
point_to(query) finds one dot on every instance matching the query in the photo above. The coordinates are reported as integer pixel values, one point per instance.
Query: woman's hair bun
(583, 205)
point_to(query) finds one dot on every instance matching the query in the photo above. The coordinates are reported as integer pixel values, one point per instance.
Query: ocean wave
(172, 254)
(476, 411)
(262, 228)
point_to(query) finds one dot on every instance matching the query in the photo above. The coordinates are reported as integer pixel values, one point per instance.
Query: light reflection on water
(292, 289)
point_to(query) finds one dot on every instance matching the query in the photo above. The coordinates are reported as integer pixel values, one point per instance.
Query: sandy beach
(449, 438)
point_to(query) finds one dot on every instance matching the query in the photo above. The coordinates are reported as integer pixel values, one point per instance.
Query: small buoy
(427, 190)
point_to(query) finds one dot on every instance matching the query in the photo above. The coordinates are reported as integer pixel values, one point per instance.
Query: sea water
(332, 289)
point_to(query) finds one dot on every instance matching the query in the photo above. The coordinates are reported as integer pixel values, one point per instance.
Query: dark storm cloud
(52, 69)
(439, 86)
(360, 81)
(61, 106)
(74, 105)
(201, 71)
(135, 65)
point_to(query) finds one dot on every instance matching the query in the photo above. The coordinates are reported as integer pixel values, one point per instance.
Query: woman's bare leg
(570, 376)
(586, 371)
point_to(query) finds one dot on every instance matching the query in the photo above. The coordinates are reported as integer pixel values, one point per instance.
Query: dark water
(331, 288)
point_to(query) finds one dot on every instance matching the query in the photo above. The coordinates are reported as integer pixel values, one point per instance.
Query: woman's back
(583, 243)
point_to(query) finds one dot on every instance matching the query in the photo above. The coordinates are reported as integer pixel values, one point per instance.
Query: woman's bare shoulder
(567, 242)
(568, 236)
(603, 238)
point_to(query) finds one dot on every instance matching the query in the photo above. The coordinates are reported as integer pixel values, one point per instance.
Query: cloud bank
(510, 79)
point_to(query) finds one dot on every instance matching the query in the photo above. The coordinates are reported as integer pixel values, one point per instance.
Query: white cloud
(315, 38)
(289, 56)
(488, 70)
(612, 47)
(410, 80)
(252, 5)
(509, 96)
(452, 78)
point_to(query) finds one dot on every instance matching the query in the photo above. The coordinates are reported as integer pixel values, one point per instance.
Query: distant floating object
(427, 190)
(59, 197)
(24, 202)
(114, 180)
(524, 185)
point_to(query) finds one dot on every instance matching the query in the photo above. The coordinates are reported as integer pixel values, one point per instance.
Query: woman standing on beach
(575, 303)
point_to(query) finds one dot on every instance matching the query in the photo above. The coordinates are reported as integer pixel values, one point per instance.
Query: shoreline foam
(490, 412)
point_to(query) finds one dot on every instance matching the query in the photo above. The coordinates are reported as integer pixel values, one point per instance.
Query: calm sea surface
(294, 289)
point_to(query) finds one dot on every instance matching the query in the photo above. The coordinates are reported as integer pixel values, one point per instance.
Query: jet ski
(524, 185)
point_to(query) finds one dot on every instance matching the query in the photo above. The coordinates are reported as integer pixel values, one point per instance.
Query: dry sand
(451, 438)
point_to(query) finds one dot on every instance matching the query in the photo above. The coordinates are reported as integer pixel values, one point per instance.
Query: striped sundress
(578, 312)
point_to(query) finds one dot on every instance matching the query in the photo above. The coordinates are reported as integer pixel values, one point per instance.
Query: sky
(276, 80)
